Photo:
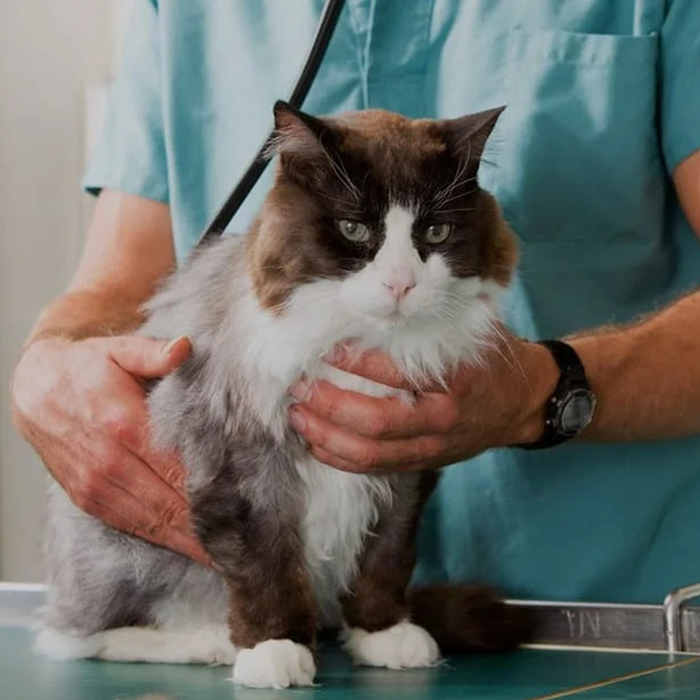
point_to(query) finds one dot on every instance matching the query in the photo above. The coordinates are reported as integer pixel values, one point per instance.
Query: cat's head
(382, 213)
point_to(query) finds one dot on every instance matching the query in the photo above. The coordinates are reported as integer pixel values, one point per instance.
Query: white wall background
(54, 56)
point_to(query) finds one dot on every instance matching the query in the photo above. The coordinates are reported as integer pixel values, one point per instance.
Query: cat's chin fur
(284, 347)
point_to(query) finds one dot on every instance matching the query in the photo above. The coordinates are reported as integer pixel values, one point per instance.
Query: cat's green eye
(354, 231)
(437, 233)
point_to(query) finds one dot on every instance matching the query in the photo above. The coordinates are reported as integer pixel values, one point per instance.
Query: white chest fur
(340, 510)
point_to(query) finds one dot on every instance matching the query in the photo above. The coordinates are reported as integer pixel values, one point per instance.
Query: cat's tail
(469, 618)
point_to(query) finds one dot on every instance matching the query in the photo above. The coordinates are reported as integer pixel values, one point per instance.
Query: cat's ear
(305, 145)
(298, 134)
(468, 135)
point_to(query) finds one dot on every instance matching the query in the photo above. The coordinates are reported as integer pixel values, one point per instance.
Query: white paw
(404, 645)
(276, 663)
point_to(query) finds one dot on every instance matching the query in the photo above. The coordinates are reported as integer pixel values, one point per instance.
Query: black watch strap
(572, 379)
(566, 358)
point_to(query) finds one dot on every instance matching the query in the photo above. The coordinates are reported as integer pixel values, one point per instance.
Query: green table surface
(523, 675)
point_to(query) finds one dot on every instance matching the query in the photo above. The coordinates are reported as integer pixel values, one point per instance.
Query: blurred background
(56, 60)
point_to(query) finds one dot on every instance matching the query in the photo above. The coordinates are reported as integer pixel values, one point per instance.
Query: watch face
(577, 411)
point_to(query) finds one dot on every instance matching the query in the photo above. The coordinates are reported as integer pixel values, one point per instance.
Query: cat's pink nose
(400, 286)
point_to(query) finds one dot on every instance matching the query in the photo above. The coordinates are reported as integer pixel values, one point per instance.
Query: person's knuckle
(19, 418)
(154, 529)
(368, 457)
(445, 415)
(323, 400)
(108, 463)
(110, 468)
(321, 456)
(170, 514)
(81, 498)
(378, 423)
(29, 400)
(429, 447)
(89, 491)
(118, 423)
(174, 475)
(315, 434)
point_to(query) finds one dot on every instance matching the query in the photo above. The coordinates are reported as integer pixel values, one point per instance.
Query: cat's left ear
(469, 134)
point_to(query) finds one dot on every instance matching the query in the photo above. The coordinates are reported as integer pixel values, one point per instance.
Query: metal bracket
(673, 616)
(670, 627)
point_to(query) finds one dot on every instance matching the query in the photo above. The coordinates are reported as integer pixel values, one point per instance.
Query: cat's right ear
(304, 143)
(298, 134)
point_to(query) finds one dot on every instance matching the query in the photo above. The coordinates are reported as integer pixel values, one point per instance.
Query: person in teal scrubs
(595, 162)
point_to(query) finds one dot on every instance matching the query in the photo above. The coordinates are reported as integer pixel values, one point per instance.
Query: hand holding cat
(495, 404)
(81, 406)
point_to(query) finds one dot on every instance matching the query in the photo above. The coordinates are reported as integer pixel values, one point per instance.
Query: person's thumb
(148, 357)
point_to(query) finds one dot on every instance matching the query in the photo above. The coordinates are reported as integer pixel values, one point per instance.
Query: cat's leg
(252, 535)
(378, 630)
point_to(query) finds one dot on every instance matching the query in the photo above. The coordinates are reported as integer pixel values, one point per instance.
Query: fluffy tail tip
(470, 619)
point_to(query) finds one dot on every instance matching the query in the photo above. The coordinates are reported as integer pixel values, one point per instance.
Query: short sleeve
(680, 81)
(129, 154)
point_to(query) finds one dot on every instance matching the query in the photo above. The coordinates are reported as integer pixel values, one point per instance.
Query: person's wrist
(542, 375)
(48, 335)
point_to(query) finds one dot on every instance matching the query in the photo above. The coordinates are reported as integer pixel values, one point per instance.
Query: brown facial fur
(355, 167)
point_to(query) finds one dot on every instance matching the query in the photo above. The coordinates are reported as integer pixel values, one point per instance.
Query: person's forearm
(128, 251)
(646, 376)
(85, 314)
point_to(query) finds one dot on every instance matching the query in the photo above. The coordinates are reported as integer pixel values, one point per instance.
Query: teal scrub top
(603, 102)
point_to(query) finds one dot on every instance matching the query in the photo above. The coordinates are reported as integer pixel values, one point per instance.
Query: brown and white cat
(375, 230)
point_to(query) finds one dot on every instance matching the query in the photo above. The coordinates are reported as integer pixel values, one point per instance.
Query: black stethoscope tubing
(324, 34)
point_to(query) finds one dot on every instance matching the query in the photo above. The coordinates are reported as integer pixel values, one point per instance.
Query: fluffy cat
(375, 230)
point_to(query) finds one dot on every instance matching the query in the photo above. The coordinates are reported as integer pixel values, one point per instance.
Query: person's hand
(81, 406)
(496, 403)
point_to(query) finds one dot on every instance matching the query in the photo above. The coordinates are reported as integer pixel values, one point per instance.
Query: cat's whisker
(514, 362)
(457, 180)
(454, 211)
(344, 205)
(309, 297)
(454, 197)
(342, 174)
(453, 296)
(442, 195)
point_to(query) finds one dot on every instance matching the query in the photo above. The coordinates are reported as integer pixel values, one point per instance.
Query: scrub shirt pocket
(578, 155)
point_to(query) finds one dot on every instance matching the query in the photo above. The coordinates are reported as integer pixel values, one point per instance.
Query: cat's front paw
(404, 645)
(276, 663)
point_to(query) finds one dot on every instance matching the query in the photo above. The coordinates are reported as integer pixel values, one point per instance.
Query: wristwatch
(570, 408)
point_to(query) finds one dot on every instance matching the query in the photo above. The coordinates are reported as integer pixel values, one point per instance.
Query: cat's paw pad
(276, 663)
(404, 645)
